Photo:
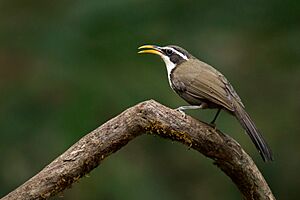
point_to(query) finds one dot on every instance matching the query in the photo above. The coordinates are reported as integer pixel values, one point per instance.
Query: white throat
(170, 66)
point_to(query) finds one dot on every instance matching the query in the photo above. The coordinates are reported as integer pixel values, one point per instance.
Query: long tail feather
(258, 140)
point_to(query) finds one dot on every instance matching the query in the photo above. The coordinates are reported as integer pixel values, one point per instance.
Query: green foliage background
(68, 66)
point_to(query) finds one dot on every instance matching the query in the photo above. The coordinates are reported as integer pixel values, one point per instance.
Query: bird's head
(172, 55)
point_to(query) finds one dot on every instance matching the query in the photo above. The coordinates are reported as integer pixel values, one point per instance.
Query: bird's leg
(215, 118)
(181, 109)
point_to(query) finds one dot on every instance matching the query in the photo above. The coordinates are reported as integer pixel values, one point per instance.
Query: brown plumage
(203, 83)
(200, 84)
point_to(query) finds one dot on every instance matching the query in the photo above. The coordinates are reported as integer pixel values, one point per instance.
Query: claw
(213, 125)
(183, 115)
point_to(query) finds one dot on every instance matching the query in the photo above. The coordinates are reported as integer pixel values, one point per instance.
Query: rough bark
(146, 117)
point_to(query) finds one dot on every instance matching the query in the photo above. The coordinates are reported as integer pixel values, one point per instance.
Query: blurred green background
(68, 66)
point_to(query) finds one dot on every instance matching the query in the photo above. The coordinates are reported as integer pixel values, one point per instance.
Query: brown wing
(204, 82)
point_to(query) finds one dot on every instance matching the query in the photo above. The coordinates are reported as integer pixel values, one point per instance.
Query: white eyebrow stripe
(178, 53)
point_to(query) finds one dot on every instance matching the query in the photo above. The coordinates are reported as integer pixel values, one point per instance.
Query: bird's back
(201, 81)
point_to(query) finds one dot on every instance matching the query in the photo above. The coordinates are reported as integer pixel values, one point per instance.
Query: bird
(202, 86)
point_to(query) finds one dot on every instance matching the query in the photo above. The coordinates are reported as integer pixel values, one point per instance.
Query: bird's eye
(169, 52)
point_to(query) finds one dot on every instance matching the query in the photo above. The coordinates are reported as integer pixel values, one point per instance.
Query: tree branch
(146, 117)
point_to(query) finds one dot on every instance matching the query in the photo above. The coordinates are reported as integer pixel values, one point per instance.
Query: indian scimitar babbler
(202, 86)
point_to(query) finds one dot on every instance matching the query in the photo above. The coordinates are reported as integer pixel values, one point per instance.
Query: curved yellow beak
(153, 49)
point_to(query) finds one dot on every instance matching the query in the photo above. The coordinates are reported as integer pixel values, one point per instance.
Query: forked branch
(146, 117)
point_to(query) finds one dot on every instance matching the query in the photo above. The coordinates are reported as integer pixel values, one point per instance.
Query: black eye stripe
(168, 52)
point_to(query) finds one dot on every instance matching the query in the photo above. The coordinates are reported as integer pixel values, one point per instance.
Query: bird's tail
(258, 140)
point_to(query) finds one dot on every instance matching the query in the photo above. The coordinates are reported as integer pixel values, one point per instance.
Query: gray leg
(216, 116)
(183, 108)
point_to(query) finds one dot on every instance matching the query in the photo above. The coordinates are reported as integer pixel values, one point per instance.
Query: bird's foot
(190, 107)
(183, 115)
(212, 124)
